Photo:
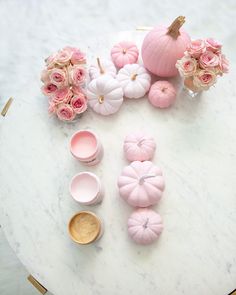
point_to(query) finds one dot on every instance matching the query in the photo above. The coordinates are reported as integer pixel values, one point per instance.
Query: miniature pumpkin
(123, 53)
(163, 46)
(105, 96)
(134, 80)
(139, 147)
(103, 67)
(141, 184)
(162, 94)
(144, 226)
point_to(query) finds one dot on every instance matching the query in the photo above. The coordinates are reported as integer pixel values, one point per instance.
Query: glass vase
(193, 91)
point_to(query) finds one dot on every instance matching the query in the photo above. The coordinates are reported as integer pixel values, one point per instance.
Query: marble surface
(12, 274)
(195, 147)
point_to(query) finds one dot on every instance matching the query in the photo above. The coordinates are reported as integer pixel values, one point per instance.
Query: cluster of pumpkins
(161, 49)
(141, 185)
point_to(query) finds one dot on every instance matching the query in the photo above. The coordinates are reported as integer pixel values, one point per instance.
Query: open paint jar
(86, 188)
(86, 147)
(85, 227)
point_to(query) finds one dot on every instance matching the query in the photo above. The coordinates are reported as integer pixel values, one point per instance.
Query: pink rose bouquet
(63, 83)
(202, 63)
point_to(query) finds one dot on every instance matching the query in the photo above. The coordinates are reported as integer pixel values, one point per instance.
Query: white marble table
(196, 140)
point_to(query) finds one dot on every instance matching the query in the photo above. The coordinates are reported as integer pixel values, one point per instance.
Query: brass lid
(84, 227)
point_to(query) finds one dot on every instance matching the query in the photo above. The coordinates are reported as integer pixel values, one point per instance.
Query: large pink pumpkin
(141, 184)
(144, 226)
(163, 46)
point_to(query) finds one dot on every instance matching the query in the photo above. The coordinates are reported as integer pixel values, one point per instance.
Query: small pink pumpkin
(139, 146)
(162, 94)
(123, 53)
(163, 46)
(144, 226)
(141, 184)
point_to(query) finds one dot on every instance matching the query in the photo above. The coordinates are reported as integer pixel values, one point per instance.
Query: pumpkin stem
(146, 223)
(100, 66)
(101, 99)
(140, 142)
(133, 77)
(173, 29)
(142, 178)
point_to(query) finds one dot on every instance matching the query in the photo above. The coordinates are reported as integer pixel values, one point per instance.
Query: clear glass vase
(193, 91)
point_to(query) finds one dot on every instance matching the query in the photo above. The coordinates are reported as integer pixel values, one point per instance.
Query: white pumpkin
(134, 80)
(102, 67)
(105, 95)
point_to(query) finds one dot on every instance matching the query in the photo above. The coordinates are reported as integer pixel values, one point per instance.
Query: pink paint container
(86, 147)
(86, 188)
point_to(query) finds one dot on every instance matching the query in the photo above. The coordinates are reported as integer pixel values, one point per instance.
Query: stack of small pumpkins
(161, 49)
(107, 88)
(141, 185)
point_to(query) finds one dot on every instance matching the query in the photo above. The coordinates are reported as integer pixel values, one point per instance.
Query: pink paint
(86, 188)
(86, 147)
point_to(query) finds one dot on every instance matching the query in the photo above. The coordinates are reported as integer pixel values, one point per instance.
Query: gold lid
(84, 227)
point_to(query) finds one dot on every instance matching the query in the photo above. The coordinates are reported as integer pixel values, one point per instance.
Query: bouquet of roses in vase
(64, 81)
(201, 64)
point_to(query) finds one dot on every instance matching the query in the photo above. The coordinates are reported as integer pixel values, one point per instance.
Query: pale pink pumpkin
(139, 146)
(141, 184)
(123, 53)
(145, 226)
(162, 94)
(163, 46)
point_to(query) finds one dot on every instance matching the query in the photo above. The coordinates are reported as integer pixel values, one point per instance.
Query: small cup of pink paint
(86, 188)
(86, 147)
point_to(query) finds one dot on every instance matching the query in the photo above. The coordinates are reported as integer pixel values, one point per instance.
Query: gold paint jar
(85, 227)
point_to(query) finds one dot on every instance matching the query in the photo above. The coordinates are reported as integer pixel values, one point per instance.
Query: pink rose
(50, 61)
(63, 57)
(196, 48)
(186, 66)
(62, 95)
(58, 77)
(76, 90)
(204, 79)
(79, 103)
(208, 60)
(51, 107)
(223, 63)
(78, 57)
(45, 76)
(49, 89)
(77, 75)
(213, 45)
(70, 49)
(65, 112)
